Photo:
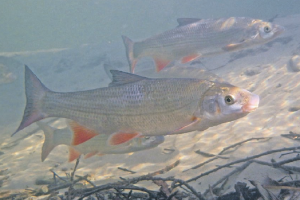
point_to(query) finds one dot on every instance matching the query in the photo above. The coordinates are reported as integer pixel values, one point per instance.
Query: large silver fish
(195, 38)
(134, 106)
(86, 142)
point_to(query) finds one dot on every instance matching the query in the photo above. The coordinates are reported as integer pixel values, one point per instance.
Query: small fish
(195, 38)
(133, 106)
(76, 138)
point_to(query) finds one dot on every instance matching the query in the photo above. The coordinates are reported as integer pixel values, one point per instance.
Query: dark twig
(56, 175)
(245, 165)
(172, 195)
(110, 186)
(87, 180)
(126, 170)
(240, 143)
(51, 189)
(72, 179)
(238, 169)
(241, 160)
(201, 164)
(224, 151)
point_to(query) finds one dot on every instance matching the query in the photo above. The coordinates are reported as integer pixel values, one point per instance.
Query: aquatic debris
(225, 151)
(253, 71)
(292, 135)
(294, 109)
(196, 38)
(294, 63)
(173, 188)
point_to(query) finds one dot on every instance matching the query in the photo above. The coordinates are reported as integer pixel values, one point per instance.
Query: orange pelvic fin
(90, 154)
(121, 137)
(81, 133)
(73, 154)
(161, 63)
(189, 58)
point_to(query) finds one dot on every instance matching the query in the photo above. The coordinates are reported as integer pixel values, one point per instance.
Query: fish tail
(49, 144)
(35, 92)
(129, 53)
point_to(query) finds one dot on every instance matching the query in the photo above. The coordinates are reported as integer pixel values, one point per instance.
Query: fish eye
(229, 100)
(267, 29)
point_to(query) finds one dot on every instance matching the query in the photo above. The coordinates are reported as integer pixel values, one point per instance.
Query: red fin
(189, 58)
(160, 63)
(73, 154)
(90, 154)
(100, 154)
(120, 138)
(81, 133)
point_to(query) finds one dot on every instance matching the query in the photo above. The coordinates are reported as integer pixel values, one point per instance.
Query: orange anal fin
(90, 154)
(194, 121)
(73, 154)
(120, 138)
(189, 58)
(80, 133)
(160, 63)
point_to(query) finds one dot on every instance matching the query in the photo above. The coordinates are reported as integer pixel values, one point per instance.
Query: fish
(194, 38)
(133, 106)
(95, 145)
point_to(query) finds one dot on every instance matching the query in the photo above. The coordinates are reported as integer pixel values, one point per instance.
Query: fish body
(195, 38)
(95, 145)
(134, 105)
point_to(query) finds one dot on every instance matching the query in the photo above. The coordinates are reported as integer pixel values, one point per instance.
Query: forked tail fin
(35, 91)
(129, 53)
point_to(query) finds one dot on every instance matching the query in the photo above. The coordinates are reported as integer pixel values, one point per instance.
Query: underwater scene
(174, 100)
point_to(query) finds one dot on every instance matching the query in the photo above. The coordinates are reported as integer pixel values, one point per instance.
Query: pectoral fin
(190, 58)
(193, 122)
(232, 47)
(121, 137)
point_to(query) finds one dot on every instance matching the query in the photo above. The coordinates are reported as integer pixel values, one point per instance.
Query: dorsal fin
(120, 78)
(185, 21)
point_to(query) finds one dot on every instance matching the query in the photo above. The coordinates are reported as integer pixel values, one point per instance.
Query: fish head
(224, 102)
(146, 142)
(262, 31)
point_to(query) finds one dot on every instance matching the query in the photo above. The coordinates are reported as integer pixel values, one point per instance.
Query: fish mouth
(252, 104)
(278, 30)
